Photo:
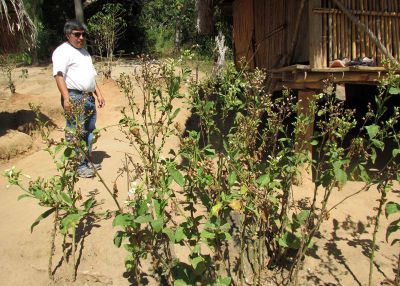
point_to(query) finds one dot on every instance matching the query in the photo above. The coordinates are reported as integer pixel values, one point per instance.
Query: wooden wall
(264, 31)
(345, 39)
(243, 31)
(270, 32)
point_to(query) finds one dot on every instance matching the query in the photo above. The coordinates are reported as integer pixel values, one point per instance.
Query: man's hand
(100, 100)
(67, 105)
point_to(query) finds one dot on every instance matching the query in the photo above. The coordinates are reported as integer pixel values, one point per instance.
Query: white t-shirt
(76, 66)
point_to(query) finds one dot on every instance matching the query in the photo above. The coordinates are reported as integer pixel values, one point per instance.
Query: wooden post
(304, 100)
(317, 53)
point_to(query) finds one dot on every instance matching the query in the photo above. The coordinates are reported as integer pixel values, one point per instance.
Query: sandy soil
(340, 255)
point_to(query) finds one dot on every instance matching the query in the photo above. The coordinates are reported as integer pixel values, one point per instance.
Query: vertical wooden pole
(317, 54)
(362, 33)
(396, 31)
(353, 35)
(305, 98)
(330, 27)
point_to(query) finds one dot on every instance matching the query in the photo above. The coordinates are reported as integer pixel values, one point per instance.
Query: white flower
(132, 190)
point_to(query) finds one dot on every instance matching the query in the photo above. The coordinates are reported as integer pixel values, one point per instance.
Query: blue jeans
(87, 120)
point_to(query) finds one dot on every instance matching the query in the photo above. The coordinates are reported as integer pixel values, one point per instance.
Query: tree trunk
(205, 16)
(79, 11)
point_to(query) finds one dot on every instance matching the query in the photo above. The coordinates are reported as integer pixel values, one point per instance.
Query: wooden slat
(353, 35)
(396, 32)
(357, 12)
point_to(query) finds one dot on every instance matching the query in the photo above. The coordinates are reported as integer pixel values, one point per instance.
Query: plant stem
(73, 254)
(52, 245)
(397, 279)
(376, 228)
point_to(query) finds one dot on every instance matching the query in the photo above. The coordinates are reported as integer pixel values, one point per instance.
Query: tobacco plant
(58, 194)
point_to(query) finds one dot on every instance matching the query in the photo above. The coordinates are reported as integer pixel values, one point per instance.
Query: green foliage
(9, 62)
(106, 27)
(164, 21)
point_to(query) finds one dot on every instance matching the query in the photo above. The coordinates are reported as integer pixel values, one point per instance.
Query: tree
(106, 27)
(205, 16)
(79, 11)
(20, 23)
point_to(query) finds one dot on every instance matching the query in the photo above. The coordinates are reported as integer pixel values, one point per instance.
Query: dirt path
(340, 256)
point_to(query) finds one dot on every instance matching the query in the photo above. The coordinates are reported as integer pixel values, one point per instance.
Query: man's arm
(62, 87)
(100, 99)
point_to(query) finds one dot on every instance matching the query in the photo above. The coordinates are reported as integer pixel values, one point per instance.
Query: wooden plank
(396, 32)
(374, 30)
(330, 39)
(353, 36)
(390, 28)
(367, 40)
(356, 12)
(362, 34)
(325, 36)
(317, 55)
(291, 68)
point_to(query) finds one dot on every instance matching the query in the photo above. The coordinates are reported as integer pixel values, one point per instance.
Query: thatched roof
(16, 27)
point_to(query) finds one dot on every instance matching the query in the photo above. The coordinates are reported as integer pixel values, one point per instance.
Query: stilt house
(301, 43)
(297, 40)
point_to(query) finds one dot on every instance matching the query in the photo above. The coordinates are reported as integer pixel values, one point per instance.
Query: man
(75, 75)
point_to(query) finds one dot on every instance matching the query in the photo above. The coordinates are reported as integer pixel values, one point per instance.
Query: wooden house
(297, 41)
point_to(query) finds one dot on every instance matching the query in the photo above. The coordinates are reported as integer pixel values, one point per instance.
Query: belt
(80, 91)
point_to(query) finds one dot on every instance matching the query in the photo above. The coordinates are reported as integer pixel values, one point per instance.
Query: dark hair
(71, 25)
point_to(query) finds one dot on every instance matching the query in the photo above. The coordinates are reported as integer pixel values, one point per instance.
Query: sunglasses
(78, 34)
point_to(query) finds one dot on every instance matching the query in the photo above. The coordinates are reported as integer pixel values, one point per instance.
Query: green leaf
(157, 207)
(314, 142)
(69, 152)
(340, 175)
(232, 178)
(394, 90)
(66, 198)
(263, 180)
(373, 155)
(364, 174)
(395, 152)
(143, 219)
(177, 176)
(198, 265)
(179, 234)
(378, 144)
(180, 282)
(392, 208)
(209, 152)
(69, 221)
(157, 224)
(41, 217)
(172, 117)
(170, 233)
(372, 130)
(88, 204)
(289, 240)
(302, 217)
(223, 281)
(215, 209)
(119, 236)
(207, 235)
(123, 220)
(58, 148)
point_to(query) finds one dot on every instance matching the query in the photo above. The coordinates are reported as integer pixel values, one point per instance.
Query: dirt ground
(340, 255)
